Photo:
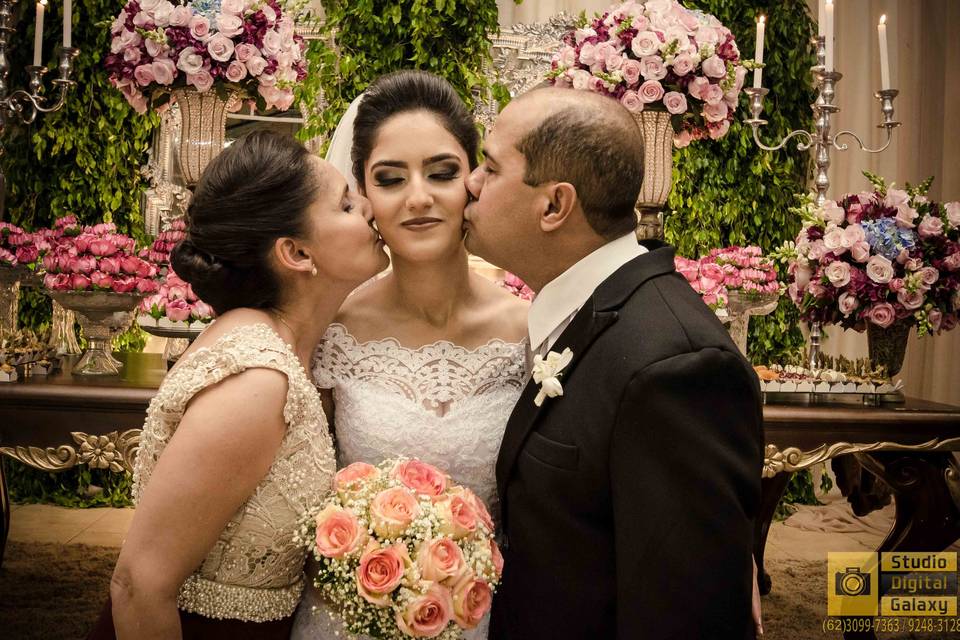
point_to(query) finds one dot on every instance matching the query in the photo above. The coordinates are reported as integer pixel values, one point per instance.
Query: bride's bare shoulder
(505, 312)
(364, 311)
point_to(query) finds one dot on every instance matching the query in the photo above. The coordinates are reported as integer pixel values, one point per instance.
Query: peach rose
(458, 518)
(471, 601)
(338, 532)
(392, 511)
(350, 476)
(381, 571)
(479, 508)
(497, 558)
(422, 478)
(426, 616)
(440, 559)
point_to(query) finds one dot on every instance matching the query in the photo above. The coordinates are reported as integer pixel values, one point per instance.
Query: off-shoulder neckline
(340, 330)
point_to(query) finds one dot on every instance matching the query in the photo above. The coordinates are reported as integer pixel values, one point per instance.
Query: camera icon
(851, 582)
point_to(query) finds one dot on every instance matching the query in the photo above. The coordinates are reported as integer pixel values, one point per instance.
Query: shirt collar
(564, 295)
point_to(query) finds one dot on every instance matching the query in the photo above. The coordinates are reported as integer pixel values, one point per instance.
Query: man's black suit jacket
(628, 502)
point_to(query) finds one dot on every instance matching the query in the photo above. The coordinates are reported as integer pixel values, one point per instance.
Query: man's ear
(561, 202)
(292, 255)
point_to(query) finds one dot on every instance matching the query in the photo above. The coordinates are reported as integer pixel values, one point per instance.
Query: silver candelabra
(24, 105)
(822, 140)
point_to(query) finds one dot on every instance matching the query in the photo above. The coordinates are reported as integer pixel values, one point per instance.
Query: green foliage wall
(447, 37)
(730, 191)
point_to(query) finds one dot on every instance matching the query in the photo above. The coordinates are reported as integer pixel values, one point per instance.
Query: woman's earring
(313, 271)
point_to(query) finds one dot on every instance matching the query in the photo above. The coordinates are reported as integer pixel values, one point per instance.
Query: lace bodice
(441, 403)
(254, 572)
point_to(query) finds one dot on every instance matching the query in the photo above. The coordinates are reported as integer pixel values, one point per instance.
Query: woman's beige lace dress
(254, 572)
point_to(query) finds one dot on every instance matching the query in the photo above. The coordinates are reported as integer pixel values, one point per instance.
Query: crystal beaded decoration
(657, 170)
(203, 125)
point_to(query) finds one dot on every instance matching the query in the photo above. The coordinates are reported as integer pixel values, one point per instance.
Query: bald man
(628, 499)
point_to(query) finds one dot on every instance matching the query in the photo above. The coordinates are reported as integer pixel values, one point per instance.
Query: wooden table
(53, 423)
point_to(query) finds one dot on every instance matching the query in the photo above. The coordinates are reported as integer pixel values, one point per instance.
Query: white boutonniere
(547, 372)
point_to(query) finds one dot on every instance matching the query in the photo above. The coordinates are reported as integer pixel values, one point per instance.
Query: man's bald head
(588, 140)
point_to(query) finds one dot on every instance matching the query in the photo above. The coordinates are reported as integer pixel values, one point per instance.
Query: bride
(428, 361)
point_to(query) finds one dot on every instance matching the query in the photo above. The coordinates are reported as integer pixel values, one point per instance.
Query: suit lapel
(585, 327)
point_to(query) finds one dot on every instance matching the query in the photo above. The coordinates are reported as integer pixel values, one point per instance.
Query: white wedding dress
(441, 403)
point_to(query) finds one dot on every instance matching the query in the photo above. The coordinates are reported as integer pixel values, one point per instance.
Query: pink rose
(380, 572)
(79, 282)
(631, 101)
(913, 264)
(85, 264)
(675, 102)
(802, 276)
(142, 19)
(934, 317)
(245, 51)
(203, 311)
(567, 57)
(838, 273)
(338, 532)
(682, 139)
(930, 227)
(471, 601)
(350, 476)
(882, 314)
(426, 616)
(201, 80)
(132, 56)
(101, 280)
(896, 284)
(422, 478)
(707, 35)
(833, 240)
(906, 216)
(652, 68)
(145, 269)
(682, 64)
(144, 74)
(177, 310)
(392, 511)
(696, 87)
(483, 515)
(229, 25)
(953, 213)
(847, 303)
(952, 261)
(853, 235)
(180, 16)
(189, 61)
(631, 72)
(102, 247)
(714, 67)
(146, 285)
(164, 71)
(256, 65)
(879, 269)
(717, 130)
(645, 43)
(161, 13)
(650, 91)
(497, 558)
(711, 94)
(832, 212)
(860, 251)
(199, 27)
(236, 71)
(713, 271)
(233, 7)
(272, 43)
(588, 54)
(928, 276)
(715, 112)
(896, 198)
(440, 559)
(910, 299)
(457, 516)
(220, 47)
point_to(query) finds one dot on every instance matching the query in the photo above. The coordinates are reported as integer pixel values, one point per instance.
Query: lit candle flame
(883, 19)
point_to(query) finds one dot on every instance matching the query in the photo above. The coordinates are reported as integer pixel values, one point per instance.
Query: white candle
(821, 25)
(758, 57)
(884, 59)
(828, 34)
(38, 36)
(67, 22)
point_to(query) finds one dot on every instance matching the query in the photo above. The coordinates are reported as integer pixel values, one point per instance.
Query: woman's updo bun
(255, 191)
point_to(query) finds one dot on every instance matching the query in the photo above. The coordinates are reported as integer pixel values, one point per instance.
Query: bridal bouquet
(404, 552)
(658, 55)
(880, 257)
(248, 46)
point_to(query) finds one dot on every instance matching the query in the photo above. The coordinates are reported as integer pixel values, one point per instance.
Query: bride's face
(414, 179)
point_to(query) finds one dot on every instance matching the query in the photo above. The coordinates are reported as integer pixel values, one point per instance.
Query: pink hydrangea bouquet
(744, 270)
(96, 258)
(883, 256)
(658, 55)
(404, 552)
(175, 302)
(243, 46)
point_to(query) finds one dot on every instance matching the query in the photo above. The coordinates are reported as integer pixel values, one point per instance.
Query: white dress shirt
(559, 301)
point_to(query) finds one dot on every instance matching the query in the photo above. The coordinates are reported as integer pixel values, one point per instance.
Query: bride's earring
(313, 271)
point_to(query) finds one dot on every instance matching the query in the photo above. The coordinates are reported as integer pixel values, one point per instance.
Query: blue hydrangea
(887, 239)
(207, 8)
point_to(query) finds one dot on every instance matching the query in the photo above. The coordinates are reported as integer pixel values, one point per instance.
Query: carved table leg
(772, 490)
(5, 508)
(926, 490)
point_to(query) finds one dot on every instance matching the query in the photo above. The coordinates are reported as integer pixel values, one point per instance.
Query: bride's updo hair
(403, 91)
(255, 191)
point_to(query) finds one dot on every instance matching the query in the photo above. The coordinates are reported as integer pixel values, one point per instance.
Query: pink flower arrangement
(658, 55)
(741, 269)
(248, 46)
(176, 301)
(18, 248)
(95, 258)
(159, 252)
(879, 257)
(404, 551)
(517, 287)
